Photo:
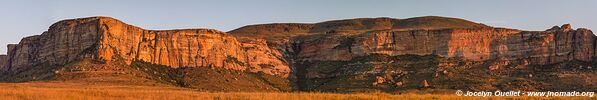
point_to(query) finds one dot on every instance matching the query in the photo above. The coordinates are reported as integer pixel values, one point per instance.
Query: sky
(21, 18)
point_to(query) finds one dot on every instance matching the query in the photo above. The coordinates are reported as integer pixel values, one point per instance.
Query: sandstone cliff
(349, 55)
(339, 55)
(446, 37)
(480, 44)
(3, 60)
(109, 39)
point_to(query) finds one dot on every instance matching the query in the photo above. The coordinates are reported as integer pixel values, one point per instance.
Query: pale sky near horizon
(21, 18)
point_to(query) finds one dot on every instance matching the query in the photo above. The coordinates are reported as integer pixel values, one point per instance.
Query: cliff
(340, 55)
(108, 39)
(480, 44)
(372, 54)
(446, 37)
(3, 60)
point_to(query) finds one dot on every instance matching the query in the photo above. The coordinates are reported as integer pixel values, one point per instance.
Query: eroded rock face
(262, 58)
(108, 39)
(477, 44)
(539, 47)
(176, 48)
(3, 60)
(347, 51)
(64, 42)
(280, 49)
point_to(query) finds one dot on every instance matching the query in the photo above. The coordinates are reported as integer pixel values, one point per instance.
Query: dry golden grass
(73, 91)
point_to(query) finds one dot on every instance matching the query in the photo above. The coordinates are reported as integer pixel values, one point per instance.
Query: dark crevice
(412, 33)
(594, 46)
(574, 46)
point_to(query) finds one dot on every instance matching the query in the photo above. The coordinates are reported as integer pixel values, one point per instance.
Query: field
(78, 91)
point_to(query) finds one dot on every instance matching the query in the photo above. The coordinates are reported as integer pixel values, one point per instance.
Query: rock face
(540, 48)
(338, 55)
(108, 39)
(318, 56)
(3, 59)
(446, 37)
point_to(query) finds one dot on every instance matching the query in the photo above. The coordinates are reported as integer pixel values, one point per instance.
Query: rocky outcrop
(330, 55)
(108, 39)
(176, 48)
(345, 39)
(539, 47)
(3, 60)
(350, 55)
(262, 58)
(64, 42)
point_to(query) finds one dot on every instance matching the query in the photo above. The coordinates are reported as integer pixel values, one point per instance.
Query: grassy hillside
(138, 73)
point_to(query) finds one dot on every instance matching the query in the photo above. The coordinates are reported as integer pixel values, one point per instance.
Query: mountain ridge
(322, 56)
(362, 24)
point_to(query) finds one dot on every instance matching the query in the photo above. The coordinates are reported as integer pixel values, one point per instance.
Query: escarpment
(108, 39)
(3, 60)
(349, 55)
(538, 47)
(446, 37)
(353, 55)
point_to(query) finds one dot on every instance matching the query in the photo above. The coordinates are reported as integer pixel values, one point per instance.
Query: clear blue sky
(22, 18)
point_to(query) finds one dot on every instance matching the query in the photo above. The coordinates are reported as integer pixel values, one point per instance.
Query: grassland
(77, 91)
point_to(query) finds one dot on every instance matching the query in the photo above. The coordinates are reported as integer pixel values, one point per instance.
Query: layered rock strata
(275, 48)
(343, 40)
(108, 39)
